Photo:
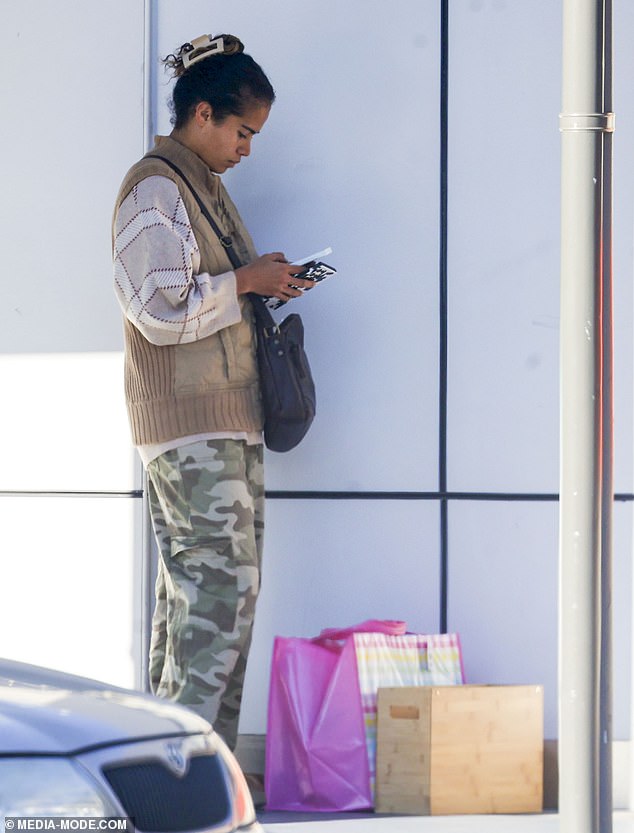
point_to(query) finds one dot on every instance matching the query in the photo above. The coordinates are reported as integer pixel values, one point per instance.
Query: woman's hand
(273, 276)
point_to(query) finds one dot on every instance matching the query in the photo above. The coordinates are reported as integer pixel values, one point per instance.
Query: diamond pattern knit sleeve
(156, 259)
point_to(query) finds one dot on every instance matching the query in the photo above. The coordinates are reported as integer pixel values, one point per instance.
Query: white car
(78, 749)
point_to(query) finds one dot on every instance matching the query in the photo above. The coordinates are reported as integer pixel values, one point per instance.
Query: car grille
(156, 799)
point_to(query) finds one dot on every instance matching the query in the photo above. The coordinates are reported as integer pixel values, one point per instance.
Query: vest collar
(190, 163)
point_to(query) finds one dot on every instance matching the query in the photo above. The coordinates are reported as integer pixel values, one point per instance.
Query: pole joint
(576, 122)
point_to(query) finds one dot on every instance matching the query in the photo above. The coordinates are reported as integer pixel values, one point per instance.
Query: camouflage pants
(207, 507)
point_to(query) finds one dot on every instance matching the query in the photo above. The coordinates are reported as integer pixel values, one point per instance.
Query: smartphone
(316, 270)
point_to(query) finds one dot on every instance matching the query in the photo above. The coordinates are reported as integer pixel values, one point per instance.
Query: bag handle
(259, 307)
(390, 627)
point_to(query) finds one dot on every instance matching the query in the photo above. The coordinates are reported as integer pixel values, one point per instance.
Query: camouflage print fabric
(207, 507)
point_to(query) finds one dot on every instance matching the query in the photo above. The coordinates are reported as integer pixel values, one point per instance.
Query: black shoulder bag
(286, 383)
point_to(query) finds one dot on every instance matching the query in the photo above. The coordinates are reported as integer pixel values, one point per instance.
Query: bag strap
(260, 309)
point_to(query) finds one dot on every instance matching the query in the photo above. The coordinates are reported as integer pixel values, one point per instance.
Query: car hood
(49, 712)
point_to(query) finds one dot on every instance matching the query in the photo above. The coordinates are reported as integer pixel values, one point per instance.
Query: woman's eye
(242, 135)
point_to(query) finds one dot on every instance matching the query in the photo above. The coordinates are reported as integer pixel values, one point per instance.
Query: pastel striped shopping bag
(390, 661)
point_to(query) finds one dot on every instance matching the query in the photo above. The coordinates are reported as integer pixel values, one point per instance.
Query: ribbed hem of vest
(161, 420)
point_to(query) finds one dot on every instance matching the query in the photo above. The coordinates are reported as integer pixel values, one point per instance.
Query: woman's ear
(203, 113)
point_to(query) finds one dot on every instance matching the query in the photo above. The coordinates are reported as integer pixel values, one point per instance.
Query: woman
(191, 378)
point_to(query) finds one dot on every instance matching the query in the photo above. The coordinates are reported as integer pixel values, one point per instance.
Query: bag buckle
(226, 241)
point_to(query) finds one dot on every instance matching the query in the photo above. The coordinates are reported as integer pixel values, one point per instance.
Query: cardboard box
(460, 749)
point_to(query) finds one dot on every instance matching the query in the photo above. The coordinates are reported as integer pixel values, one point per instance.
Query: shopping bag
(409, 660)
(321, 732)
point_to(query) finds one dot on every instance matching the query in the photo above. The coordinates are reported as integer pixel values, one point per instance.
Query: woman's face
(223, 145)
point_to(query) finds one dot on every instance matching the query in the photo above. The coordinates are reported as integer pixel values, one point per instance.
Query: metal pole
(607, 499)
(149, 124)
(585, 407)
(149, 71)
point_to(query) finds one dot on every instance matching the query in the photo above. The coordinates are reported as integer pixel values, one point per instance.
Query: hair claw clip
(203, 47)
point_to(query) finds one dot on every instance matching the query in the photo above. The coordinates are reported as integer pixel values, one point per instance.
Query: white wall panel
(72, 94)
(623, 247)
(503, 572)
(71, 88)
(70, 575)
(622, 597)
(65, 418)
(336, 563)
(349, 158)
(504, 82)
(504, 245)
(503, 598)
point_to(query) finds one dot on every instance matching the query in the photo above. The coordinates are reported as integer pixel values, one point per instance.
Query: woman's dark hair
(229, 81)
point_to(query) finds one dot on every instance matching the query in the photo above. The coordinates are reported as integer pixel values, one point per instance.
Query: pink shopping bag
(322, 709)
